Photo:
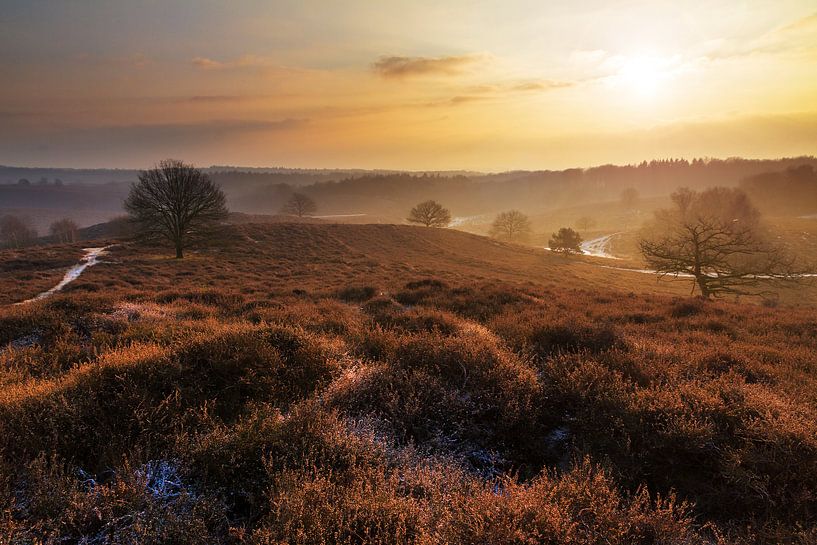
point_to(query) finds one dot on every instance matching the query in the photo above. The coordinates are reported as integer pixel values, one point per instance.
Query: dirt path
(599, 247)
(90, 259)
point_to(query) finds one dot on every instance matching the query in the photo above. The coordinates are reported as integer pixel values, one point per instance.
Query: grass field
(317, 383)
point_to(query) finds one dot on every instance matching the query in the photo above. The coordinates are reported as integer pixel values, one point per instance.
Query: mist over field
(318, 273)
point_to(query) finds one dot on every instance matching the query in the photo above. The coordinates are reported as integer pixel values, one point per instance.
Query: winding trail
(599, 247)
(90, 259)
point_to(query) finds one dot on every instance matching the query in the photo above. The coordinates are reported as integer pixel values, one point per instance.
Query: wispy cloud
(405, 67)
(458, 100)
(243, 62)
(797, 37)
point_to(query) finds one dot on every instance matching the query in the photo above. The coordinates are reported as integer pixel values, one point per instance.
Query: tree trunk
(701, 279)
(179, 253)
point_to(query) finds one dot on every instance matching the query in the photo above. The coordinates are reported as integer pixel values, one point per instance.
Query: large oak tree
(299, 205)
(430, 214)
(717, 239)
(175, 201)
(511, 225)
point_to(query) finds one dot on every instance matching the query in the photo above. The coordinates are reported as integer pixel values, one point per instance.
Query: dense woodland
(99, 193)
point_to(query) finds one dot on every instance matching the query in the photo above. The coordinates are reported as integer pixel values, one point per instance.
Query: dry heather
(252, 395)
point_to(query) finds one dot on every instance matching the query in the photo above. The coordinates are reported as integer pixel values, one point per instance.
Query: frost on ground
(90, 259)
(599, 247)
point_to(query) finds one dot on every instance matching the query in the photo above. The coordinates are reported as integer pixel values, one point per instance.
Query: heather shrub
(146, 504)
(581, 506)
(324, 316)
(449, 393)
(357, 294)
(136, 396)
(476, 303)
(208, 297)
(544, 335)
(240, 397)
(309, 509)
(684, 308)
(415, 320)
(239, 462)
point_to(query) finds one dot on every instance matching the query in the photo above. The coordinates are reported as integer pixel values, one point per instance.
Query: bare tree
(175, 201)
(630, 198)
(585, 223)
(299, 205)
(511, 225)
(16, 232)
(430, 214)
(716, 238)
(566, 240)
(64, 230)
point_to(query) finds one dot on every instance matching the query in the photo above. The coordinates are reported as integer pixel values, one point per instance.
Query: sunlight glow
(642, 74)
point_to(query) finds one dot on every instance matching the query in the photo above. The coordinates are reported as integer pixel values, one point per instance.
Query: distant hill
(93, 196)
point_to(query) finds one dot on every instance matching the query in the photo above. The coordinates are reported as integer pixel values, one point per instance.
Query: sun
(642, 75)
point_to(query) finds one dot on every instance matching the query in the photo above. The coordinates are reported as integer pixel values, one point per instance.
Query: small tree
(716, 238)
(629, 198)
(566, 240)
(585, 223)
(430, 214)
(511, 225)
(175, 201)
(64, 230)
(299, 205)
(16, 232)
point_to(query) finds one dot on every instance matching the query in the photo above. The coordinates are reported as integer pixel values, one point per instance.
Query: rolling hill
(388, 384)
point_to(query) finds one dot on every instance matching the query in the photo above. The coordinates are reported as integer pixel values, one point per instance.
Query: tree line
(18, 232)
(714, 237)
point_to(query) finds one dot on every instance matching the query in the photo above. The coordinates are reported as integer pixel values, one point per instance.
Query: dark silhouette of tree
(585, 222)
(629, 198)
(175, 201)
(64, 230)
(511, 225)
(16, 232)
(789, 192)
(430, 214)
(566, 240)
(716, 238)
(299, 205)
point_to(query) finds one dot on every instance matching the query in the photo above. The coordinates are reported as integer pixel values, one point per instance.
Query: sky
(414, 85)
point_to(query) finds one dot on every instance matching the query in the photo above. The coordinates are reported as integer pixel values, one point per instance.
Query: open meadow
(302, 383)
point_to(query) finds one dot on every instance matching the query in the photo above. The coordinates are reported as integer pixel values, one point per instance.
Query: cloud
(406, 67)
(794, 38)
(806, 23)
(243, 62)
(207, 64)
(541, 85)
(458, 100)
(498, 91)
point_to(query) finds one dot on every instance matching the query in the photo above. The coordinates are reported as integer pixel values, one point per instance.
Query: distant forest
(90, 196)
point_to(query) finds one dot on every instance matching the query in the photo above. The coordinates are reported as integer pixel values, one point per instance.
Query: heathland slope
(382, 384)
(280, 257)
